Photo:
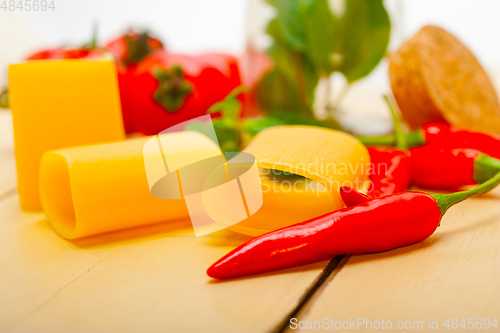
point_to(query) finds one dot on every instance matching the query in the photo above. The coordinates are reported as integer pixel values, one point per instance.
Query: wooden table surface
(152, 279)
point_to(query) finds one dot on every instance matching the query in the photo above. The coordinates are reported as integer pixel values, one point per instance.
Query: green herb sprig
(312, 42)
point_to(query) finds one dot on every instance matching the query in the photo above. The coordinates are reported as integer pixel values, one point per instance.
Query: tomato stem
(92, 44)
(95, 29)
(172, 89)
(138, 48)
(445, 201)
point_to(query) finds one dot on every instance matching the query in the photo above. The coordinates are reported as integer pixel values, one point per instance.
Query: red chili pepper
(435, 168)
(166, 89)
(376, 225)
(351, 197)
(445, 160)
(443, 136)
(391, 168)
(133, 46)
(391, 171)
(129, 49)
(448, 136)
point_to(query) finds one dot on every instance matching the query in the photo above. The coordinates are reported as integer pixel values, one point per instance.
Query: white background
(196, 25)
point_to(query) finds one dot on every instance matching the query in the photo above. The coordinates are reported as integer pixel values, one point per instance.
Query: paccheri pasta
(57, 104)
(96, 189)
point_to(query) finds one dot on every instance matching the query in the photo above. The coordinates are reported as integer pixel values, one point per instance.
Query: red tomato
(129, 49)
(82, 53)
(65, 53)
(47, 54)
(166, 89)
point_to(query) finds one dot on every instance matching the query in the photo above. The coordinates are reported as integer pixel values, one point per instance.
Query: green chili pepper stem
(445, 201)
(383, 140)
(414, 139)
(400, 135)
(485, 167)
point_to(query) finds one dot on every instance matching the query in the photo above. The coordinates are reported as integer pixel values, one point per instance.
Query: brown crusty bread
(436, 78)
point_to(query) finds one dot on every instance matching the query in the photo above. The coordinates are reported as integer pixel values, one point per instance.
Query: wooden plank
(453, 274)
(149, 279)
(311, 293)
(8, 180)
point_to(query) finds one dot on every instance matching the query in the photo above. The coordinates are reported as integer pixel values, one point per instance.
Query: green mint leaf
(254, 126)
(227, 137)
(290, 85)
(289, 17)
(321, 30)
(311, 42)
(363, 37)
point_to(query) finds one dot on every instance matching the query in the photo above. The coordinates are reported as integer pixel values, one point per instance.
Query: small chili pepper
(391, 167)
(391, 171)
(438, 164)
(443, 136)
(376, 225)
(435, 168)
(351, 197)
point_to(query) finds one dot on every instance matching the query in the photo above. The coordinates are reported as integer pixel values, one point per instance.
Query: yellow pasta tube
(57, 104)
(96, 189)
